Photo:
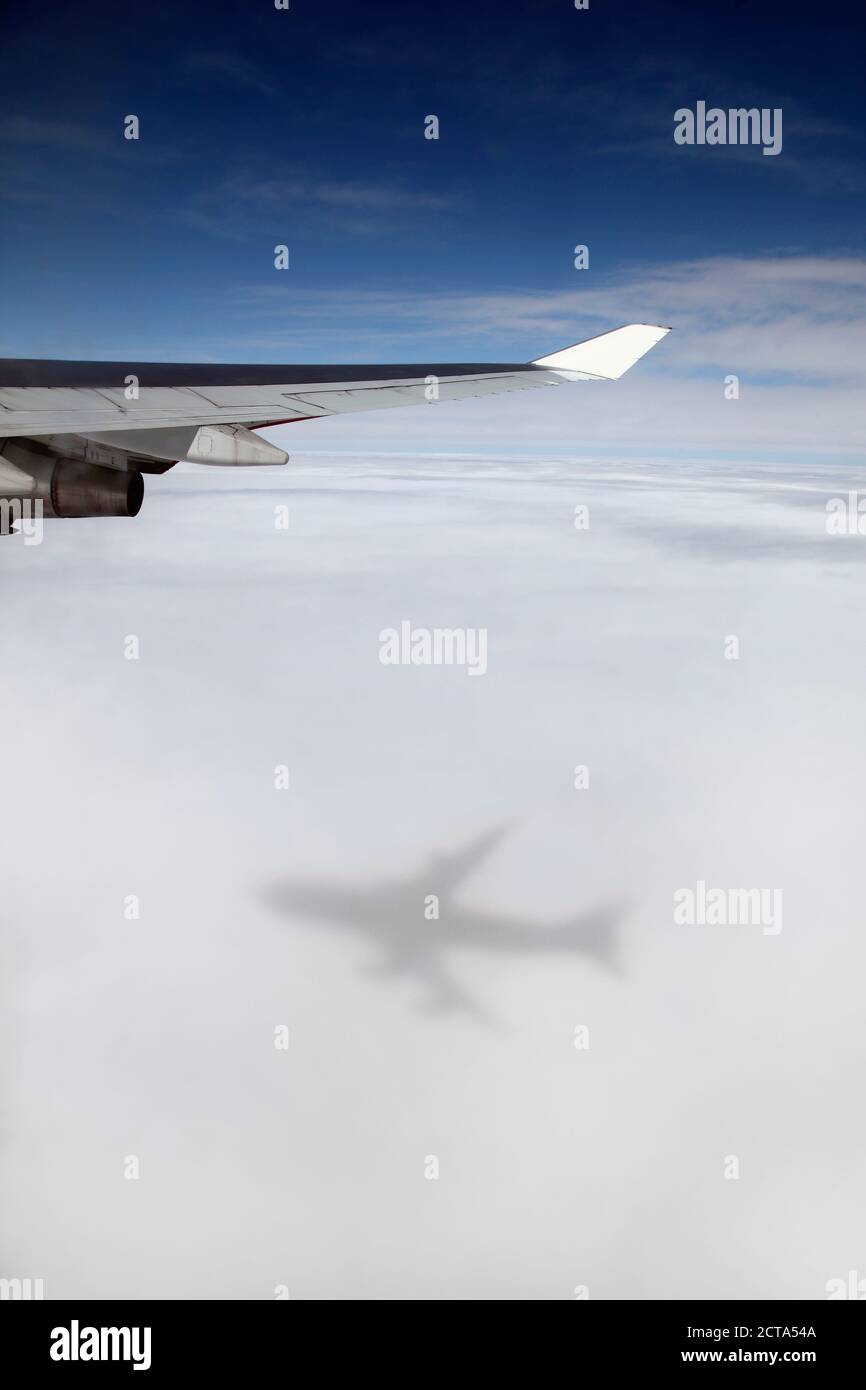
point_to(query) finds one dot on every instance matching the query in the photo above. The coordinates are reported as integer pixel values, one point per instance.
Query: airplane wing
(447, 871)
(143, 417)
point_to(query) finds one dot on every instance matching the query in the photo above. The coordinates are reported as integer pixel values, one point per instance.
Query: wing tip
(608, 355)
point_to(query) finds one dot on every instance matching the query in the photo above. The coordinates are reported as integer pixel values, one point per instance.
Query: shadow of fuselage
(417, 921)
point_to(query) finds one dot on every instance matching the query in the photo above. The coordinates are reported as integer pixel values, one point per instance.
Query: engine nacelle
(67, 487)
(84, 489)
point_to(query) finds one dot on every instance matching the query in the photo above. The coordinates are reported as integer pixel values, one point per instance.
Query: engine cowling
(85, 489)
(67, 487)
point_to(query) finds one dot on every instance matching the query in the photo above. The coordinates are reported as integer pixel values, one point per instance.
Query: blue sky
(306, 127)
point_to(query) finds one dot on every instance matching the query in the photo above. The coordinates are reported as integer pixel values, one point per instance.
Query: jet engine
(67, 487)
(85, 489)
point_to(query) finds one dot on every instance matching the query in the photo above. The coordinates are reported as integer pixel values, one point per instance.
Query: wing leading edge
(110, 402)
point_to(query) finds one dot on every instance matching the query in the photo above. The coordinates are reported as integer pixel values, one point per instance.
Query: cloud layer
(558, 1166)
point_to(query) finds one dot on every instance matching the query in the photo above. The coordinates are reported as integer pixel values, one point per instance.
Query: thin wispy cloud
(233, 68)
(55, 134)
(239, 204)
(799, 316)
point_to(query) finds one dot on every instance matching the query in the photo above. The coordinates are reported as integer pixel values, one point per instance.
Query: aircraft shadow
(395, 916)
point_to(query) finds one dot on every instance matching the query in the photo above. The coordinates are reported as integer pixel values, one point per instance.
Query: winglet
(608, 356)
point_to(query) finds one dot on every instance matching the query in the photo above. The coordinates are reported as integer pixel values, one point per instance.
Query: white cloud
(606, 648)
